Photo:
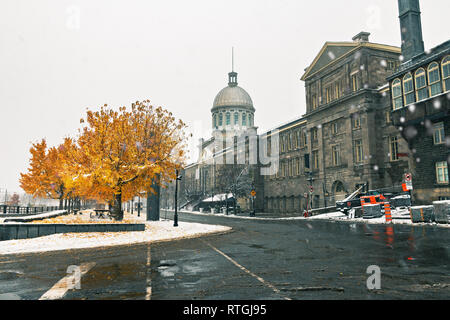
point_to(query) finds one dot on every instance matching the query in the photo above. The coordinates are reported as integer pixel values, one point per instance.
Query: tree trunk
(61, 203)
(116, 211)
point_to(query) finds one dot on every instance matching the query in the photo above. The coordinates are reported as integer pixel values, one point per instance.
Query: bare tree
(235, 179)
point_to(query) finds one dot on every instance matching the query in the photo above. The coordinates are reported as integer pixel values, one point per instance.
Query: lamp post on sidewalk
(175, 218)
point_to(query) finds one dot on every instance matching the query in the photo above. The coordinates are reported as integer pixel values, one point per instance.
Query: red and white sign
(311, 189)
(407, 186)
(408, 177)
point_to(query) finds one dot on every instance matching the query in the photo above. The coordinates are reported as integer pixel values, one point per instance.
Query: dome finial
(232, 59)
(232, 76)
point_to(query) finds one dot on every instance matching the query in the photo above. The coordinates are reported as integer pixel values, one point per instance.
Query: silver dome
(233, 96)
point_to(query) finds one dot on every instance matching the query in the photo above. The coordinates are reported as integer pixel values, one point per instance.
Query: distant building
(420, 107)
(346, 138)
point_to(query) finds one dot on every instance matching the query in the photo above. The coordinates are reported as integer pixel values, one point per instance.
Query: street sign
(407, 186)
(311, 189)
(408, 177)
(253, 193)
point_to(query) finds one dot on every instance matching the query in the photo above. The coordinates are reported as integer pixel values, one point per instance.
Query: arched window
(397, 100)
(215, 120)
(228, 118)
(408, 89)
(236, 118)
(250, 120)
(446, 73)
(220, 119)
(434, 79)
(244, 119)
(421, 85)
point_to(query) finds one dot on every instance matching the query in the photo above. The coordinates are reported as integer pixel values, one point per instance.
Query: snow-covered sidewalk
(398, 217)
(155, 231)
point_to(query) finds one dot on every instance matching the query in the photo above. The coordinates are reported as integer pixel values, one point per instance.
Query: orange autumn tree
(122, 152)
(47, 172)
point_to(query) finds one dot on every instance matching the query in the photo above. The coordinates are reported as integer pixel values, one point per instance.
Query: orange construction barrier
(387, 212)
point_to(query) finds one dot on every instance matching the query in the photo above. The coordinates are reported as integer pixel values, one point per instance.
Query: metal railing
(5, 209)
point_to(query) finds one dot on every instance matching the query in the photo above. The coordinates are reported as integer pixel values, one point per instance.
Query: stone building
(349, 135)
(229, 155)
(420, 107)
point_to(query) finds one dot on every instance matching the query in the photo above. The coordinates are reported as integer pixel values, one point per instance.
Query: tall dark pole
(175, 218)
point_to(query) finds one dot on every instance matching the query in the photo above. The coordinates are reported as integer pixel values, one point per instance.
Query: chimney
(410, 28)
(361, 37)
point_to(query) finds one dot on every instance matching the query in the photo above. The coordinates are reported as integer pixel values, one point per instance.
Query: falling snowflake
(447, 142)
(402, 119)
(383, 63)
(428, 124)
(418, 160)
(331, 55)
(366, 86)
(357, 55)
(375, 167)
(410, 132)
(361, 67)
(412, 108)
(384, 94)
(414, 150)
(437, 104)
(401, 58)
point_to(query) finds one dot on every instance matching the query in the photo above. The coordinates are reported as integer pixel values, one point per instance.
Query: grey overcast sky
(58, 57)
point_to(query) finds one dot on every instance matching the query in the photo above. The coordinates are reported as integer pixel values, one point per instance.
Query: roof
(422, 59)
(233, 96)
(332, 52)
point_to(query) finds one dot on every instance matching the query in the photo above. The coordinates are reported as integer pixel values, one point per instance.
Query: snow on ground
(155, 231)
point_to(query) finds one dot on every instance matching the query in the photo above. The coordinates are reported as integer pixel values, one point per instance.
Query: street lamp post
(310, 179)
(175, 218)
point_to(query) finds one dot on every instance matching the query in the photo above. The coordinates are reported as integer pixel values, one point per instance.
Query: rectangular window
(297, 166)
(334, 128)
(315, 160)
(335, 155)
(328, 95)
(304, 140)
(355, 85)
(438, 133)
(393, 148)
(442, 172)
(314, 101)
(337, 90)
(388, 117)
(314, 134)
(356, 121)
(358, 150)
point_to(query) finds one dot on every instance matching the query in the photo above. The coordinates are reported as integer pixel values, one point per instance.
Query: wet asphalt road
(259, 259)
